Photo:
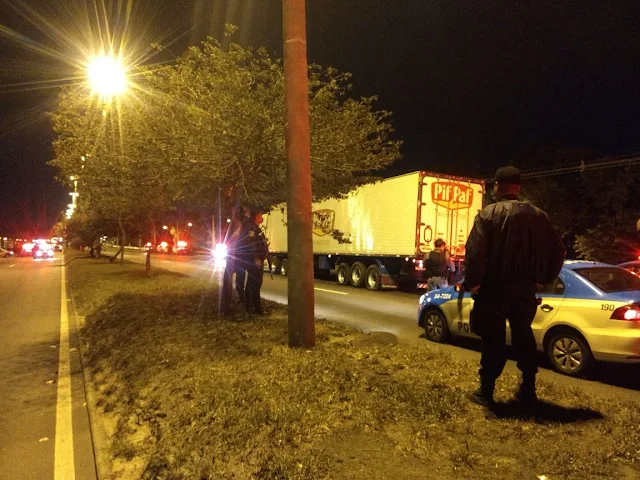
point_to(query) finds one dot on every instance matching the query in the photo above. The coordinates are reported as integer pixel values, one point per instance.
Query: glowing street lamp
(107, 76)
(190, 224)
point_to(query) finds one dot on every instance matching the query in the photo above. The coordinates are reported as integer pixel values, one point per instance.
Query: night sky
(470, 82)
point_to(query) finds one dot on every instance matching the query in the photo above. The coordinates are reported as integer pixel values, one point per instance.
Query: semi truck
(378, 236)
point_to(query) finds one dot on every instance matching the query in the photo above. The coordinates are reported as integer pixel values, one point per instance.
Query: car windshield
(610, 279)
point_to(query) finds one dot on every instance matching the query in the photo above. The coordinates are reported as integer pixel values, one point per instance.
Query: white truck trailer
(379, 235)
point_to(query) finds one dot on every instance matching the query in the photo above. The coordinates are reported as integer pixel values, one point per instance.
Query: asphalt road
(395, 311)
(44, 428)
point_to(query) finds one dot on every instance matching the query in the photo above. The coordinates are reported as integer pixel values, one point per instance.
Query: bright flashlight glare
(107, 75)
(220, 252)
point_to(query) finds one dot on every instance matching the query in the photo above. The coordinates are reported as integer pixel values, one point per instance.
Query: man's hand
(473, 290)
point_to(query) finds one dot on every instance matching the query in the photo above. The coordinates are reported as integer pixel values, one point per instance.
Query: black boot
(484, 395)
(526, 394)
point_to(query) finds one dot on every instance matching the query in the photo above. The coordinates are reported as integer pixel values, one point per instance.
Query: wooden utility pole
(297, 144)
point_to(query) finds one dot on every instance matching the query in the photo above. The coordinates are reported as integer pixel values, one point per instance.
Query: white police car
(591, 312)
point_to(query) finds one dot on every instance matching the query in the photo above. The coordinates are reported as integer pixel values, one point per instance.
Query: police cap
(507, 176)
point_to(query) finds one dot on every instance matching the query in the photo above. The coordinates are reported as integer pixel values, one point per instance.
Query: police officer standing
(437, 265)
(254, 253)
(234, 263)
(511, 249)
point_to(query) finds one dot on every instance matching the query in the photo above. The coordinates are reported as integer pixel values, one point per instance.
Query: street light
(189, 224)
(107, 75)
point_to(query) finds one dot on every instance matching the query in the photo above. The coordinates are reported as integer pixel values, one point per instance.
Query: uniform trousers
(255, 275)
(237, 267)
(488, 319)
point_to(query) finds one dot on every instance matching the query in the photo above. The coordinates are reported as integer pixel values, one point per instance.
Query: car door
(457, 311)
(550, 298)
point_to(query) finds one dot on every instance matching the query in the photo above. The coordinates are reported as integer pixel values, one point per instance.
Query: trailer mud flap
(387, 280)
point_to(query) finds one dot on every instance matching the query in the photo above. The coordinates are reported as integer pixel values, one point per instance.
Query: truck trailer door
(446, 210)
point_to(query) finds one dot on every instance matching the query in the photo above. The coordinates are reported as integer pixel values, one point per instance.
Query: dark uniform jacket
(436, 264)
(512, 246)
(253, 244)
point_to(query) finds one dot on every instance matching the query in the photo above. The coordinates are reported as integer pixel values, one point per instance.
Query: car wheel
(284, 267)
(343, 273)
(569, 353)
(373, 279)
(435, 326)
(357, 276)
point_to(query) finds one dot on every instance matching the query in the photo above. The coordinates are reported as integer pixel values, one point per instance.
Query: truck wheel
(373, 279)
(358, 271)
(343, 272)
(284, 267)
(275, 264)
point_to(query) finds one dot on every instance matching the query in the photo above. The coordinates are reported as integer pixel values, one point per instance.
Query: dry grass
(198, 396)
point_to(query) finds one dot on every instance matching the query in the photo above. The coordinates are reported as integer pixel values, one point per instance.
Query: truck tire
(284, 267)
(343, 273)
(373, 279)
(358, 277)
(275, 264)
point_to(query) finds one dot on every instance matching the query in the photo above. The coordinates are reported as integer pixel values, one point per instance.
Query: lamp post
(107, 77)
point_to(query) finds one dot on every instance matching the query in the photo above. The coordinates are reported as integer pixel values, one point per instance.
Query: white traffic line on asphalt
(330, 291)
(11, 266)
(64, 466)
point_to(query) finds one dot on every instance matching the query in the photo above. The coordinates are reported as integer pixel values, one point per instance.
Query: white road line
(10, 266)
(330, 291)
(64, 467)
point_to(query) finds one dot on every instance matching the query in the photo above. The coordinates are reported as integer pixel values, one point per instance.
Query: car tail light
(628, 312)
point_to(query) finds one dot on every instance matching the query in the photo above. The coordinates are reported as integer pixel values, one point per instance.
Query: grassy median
(191, 395)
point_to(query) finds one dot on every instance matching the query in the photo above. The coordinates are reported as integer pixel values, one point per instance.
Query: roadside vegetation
(188, 394)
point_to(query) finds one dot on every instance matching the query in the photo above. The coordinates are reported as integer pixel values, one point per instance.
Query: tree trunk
(124, 237)
(297, 145)
(147, 263)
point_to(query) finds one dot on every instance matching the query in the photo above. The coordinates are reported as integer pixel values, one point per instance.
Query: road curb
(99, 435)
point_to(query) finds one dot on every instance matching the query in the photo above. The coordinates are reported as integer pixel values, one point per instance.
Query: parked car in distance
(27, 249)
(183, 248)
(590, 312)
(43, 250)
(6, 253)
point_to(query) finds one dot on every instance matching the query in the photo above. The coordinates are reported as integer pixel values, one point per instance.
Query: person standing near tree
(235, 260)
(254, 253)
(512, 248)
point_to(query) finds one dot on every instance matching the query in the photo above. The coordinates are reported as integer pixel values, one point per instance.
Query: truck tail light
(627, 312)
